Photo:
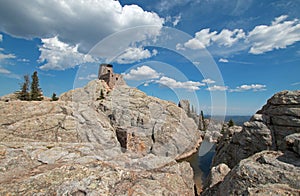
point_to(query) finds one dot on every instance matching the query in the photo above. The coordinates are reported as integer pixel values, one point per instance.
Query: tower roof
(107, 65)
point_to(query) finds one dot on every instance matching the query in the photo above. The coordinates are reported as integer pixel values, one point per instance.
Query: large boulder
(282, 115)
(78, 169)
(264, 154)
(123, 143)
(266, 130)
(265, 173)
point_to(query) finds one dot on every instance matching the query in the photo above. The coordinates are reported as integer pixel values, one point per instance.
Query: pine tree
(230, 123)
(36, 92)
(101, 95)
(193, 109)
(203, 121)
(24, 94)
(54, 98)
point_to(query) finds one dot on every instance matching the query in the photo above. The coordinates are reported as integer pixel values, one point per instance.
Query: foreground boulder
(266, 130)
(124, 143)
(265, 173)
(69, 168)
(264, 155)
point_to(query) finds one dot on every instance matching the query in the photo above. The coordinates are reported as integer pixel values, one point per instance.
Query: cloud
(176, 20)
(24, 60)
(4, 71)
(57, 55)
(142, 73)
(7, 56)
(279, 34)
(82, 23)
(173, 20)
(88, 77)
(1, 37)
(133, 54)
(262, 38)
(202, 39)
(171, 83)
(205, 38)
(9, 74)
(228, 38)
(217, 88)
(208, 81)
(196, 63)
(246, 87)
(296, 83)
(165, 5)
(221, 60)
(180, 47)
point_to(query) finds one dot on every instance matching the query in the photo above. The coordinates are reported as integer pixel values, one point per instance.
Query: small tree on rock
(230, 123)
(24, 94)
(101, 95)
(36, 92)
(54, 98)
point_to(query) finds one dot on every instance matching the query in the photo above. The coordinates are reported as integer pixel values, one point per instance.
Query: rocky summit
(96, 141)
(263, 157)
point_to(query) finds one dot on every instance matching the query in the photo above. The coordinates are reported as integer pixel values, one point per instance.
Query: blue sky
(229, 55)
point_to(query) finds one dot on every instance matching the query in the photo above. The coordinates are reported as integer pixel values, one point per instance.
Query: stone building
(107, 74)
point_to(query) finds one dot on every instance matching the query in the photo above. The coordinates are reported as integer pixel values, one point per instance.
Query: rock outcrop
(124, 144)
(265, 173)
(266, 130)
(264, 154)
(70, 168)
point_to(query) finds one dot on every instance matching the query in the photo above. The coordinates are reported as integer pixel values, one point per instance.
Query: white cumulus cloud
(76, 22)
(248, 87)
(262, 38)
(142, 73)
(4, 71)
(279, 34)
(205, 38)
(58, 55)
(176, 20)
(217, 88)
(228, 38)
(208, 81)
(222, 60)
(133, 54)
(171, 83)
(88, 77)
(7, 56)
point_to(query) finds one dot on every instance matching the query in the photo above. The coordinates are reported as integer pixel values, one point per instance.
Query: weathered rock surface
(257, 168)
(292, 142)
(265, 173)
(67, 169)
(217, 174)
(282, 115)
(124, 144)
(266, 130)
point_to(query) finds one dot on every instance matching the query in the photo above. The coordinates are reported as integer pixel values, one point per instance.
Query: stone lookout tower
(107, 74)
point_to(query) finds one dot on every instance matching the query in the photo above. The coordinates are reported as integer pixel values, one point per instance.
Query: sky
(225, 56)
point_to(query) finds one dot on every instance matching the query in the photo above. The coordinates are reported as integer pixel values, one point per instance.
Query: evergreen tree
(36, 92)
(230, 123)
(193, 109)
(54, 98)
(203, 120)
(189, 111)
(101, 95)
(24, 94)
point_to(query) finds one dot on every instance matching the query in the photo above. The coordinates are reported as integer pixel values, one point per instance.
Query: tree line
(31, 91)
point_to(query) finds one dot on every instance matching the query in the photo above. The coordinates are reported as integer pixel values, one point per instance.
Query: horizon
(232, 52)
